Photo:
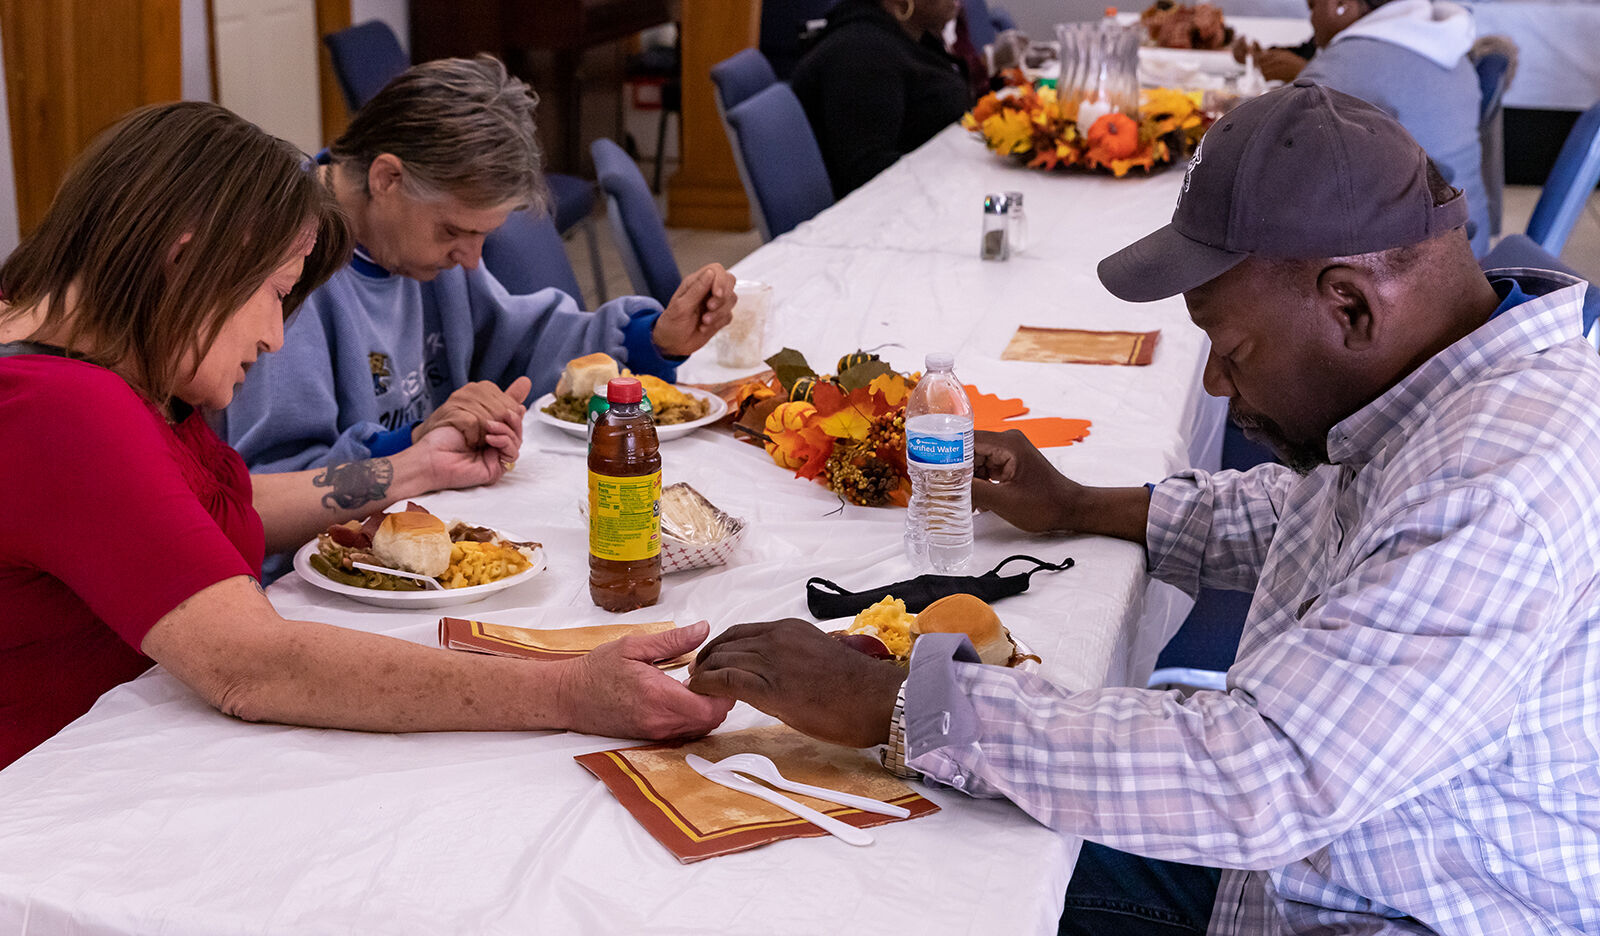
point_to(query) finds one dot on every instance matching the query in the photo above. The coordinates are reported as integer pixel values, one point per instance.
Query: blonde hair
(461, 127)
(164, 227)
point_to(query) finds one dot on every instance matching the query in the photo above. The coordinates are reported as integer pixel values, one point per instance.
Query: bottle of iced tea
(624, 502)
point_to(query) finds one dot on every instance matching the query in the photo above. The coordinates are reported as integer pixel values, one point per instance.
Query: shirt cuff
(388, 442)
(938, 714)
(643, 355)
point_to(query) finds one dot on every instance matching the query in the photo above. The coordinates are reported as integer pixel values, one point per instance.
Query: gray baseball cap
(1298, 173)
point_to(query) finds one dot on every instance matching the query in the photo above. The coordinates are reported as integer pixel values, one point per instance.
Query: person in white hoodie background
(1409, 58)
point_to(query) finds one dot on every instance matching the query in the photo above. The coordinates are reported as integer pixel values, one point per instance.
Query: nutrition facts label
(625, 516)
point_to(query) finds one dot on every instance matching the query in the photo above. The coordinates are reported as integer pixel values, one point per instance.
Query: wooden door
(72, 67)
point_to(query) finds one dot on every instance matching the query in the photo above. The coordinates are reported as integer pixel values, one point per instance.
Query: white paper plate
(448, 598)
(663, 433)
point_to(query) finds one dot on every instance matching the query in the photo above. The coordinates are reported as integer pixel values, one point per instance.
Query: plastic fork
(428, 584)
(733, 781)
(761, 767)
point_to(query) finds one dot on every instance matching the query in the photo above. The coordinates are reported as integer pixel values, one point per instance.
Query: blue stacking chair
(736, 78)
(1519, 250)
(788, 181)
(1567, 189)
(635, 223)
(368, 56)
(526, 254)
(1495, 59)
(733, 81)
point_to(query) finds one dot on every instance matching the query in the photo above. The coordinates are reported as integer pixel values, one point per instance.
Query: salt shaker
(996, 218)
(1016, 224)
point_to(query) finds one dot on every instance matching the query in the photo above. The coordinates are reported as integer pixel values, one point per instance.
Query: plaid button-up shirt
(1410, 739)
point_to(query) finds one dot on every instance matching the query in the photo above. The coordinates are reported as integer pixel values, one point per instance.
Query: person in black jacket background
(878, 84)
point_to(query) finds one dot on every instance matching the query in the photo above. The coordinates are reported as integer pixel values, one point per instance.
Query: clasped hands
(793, 671)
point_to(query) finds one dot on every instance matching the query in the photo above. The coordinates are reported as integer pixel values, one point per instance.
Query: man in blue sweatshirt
(414, 334)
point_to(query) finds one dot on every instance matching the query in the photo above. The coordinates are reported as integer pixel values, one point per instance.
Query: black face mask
(827, 600)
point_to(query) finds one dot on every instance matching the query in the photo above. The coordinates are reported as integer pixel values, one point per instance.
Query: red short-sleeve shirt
(109, 519)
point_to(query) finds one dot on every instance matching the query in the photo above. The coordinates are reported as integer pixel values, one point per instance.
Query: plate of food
(470, 563)
(678, 410)
(887, 631)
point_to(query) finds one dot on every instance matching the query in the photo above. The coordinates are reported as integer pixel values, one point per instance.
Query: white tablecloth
(155, 814)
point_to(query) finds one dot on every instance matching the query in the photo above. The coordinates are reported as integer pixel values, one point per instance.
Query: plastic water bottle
(939, 461)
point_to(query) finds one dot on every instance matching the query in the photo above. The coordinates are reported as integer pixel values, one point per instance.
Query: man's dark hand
(1014, 480)
(796, 673)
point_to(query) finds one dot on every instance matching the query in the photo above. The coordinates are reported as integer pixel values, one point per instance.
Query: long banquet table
(154, 814)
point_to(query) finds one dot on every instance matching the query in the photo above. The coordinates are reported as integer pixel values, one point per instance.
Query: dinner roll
(970, 615)
(583, 375)
(413, 541)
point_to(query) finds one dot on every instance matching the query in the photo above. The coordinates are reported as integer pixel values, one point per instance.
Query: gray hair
(461, 127)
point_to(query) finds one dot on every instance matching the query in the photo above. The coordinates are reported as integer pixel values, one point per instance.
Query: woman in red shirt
(130, 534)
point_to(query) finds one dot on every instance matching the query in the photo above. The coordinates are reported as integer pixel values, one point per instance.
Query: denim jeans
(1113, 893)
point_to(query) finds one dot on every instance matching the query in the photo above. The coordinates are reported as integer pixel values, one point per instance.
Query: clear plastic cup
(740, 344)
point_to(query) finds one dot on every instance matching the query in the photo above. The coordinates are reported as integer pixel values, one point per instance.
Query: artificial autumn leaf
(1165, 110)
(992, 413)
(848, 422)
(891, 388)
(828, 398)
(790, 365)
(1008, 132)
(860, 375)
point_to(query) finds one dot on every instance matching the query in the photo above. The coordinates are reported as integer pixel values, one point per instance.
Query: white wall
(397, 13)
(194, 33)
(8, 178)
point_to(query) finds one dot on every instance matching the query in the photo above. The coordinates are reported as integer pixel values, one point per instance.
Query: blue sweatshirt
(1409, 59)
(370, 354)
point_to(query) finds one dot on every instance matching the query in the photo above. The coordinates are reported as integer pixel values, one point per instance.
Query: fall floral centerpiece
(1036, 127)
(846, 430)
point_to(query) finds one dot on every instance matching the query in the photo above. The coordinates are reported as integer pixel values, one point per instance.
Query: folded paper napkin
(696, 819)
(992, 413)
(561, 644)
(1078, 346)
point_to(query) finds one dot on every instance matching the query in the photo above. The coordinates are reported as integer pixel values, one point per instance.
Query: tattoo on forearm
(355, 484)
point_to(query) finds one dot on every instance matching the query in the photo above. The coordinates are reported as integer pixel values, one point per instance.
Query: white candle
(1091, 110)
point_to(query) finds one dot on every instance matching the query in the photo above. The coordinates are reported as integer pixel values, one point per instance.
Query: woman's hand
(616, 690)
(449, 461)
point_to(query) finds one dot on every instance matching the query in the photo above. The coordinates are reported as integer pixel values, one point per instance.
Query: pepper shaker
(1016, 223)
(996, 218)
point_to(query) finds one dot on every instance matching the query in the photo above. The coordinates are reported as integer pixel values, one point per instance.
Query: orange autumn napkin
(697, 819)
(1079, 346)
(530, 644)
(992, 413)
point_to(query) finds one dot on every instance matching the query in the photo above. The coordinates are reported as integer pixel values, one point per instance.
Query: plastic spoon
(762, 767)
(733, 781)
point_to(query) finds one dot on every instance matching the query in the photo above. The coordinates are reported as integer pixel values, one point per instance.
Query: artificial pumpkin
(1113, 136)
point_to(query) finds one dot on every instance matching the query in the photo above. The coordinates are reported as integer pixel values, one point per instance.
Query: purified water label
(947, 448)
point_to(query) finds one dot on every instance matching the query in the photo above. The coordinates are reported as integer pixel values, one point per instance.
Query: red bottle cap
(624, 390)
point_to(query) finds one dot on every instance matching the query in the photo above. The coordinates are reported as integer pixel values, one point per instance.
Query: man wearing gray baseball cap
(1408, 740)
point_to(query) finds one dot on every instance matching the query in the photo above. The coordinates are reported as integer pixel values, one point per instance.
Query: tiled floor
(694, 248)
